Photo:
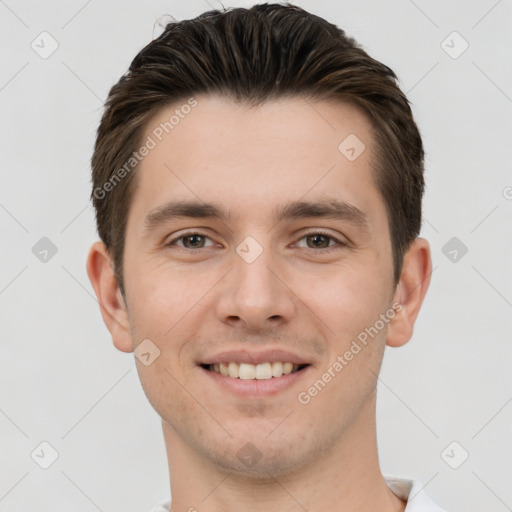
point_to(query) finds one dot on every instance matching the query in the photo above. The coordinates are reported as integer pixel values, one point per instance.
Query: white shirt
(402, 487)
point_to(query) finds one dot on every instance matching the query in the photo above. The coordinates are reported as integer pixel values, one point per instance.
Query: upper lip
(254, 357)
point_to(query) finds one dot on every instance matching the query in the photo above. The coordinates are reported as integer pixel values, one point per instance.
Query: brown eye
(190, 241)
(193, 241)
(318, 241)
(321, 241)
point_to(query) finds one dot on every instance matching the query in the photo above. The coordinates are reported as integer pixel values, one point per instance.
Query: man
(257, 180)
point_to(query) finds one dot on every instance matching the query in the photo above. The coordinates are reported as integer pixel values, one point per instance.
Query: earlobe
(112, 305)
(410, 292)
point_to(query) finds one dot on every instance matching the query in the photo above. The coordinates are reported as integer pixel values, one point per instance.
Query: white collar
(412, 491)
(407, 489)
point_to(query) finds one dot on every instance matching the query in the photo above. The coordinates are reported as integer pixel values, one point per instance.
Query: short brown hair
(267, 52)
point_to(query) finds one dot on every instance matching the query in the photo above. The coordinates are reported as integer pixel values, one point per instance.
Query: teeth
(245, 371)
(234, 370)
(277, 369)
(287, 368)
(262, 371)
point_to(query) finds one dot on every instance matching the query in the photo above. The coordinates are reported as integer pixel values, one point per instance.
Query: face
(256, 277)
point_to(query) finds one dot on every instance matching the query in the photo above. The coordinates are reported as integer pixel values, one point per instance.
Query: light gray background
(63, 382)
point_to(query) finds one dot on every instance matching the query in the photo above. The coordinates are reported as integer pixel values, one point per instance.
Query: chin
(262, 456)
(252, 463)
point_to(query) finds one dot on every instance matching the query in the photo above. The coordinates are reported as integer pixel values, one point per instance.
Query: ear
(410, 292)
(100, 270)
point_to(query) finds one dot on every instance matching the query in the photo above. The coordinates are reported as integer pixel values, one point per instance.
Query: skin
(194, 301)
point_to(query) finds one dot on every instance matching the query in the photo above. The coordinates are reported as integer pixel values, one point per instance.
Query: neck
(345, 478)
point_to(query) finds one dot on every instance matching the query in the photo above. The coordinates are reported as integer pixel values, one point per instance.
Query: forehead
(263, 156)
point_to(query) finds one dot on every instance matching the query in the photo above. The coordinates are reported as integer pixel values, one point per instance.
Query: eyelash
(317, 232)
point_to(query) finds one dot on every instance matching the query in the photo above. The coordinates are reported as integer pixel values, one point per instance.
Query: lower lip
(256, 387)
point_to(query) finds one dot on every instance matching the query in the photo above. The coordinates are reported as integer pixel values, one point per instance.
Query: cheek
(163, 295)
(165, 392)
(346, 297)
(169, 307)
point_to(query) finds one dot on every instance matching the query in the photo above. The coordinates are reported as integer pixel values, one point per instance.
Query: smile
(261, 371)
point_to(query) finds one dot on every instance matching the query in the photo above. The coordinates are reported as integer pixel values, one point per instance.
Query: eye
(321, 240)
(190, 240)
(315, 240)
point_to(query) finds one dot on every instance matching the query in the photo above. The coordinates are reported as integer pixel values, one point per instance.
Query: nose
(255, 294)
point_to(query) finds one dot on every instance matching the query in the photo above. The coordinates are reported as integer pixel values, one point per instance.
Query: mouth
(255, 374)
(262, 371)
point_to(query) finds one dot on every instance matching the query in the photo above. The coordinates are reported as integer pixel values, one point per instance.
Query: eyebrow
(323, 208)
